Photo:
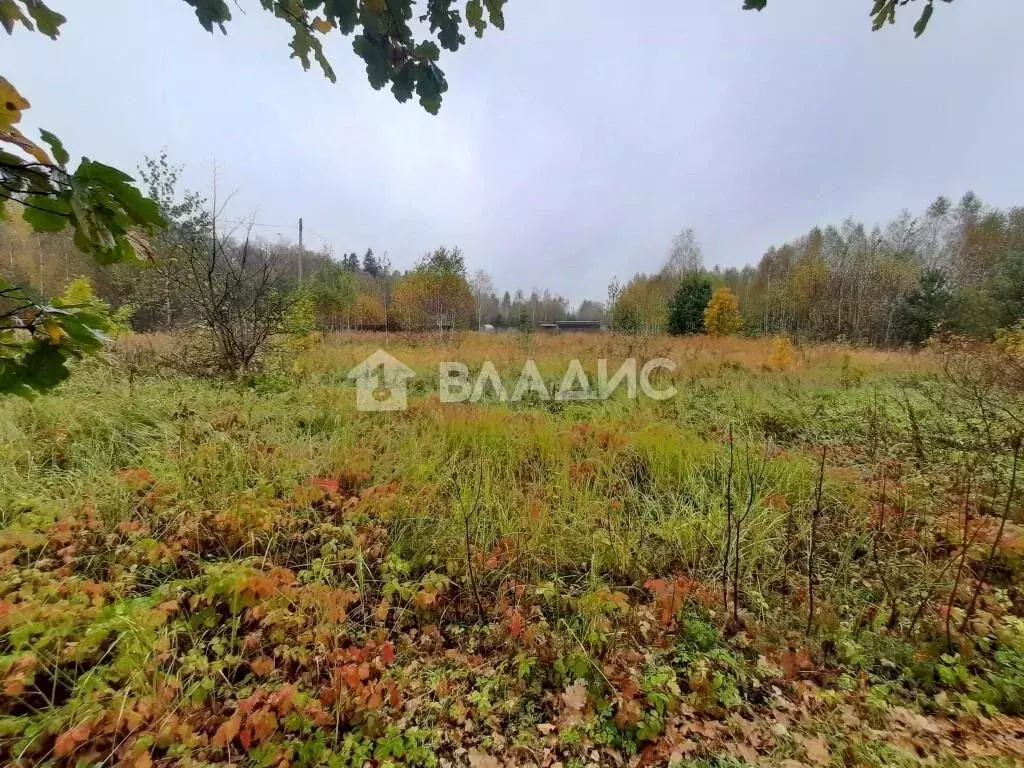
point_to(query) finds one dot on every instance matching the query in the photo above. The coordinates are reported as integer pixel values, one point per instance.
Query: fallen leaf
(227, 732)
(71, 739)
(815, 748)
(262, 666)
(575, 696)
(796, 661)
(479, 759)
(517, 624)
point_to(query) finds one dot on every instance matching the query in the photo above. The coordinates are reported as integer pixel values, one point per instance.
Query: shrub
(782, 356)
(722, 316)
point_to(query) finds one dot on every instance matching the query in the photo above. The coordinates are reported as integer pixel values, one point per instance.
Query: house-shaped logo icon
(380, 383)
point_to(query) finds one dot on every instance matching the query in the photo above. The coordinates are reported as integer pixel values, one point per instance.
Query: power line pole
(300, 251)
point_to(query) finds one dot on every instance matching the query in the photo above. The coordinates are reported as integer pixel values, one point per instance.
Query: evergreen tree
(926, 309)
(686, 309)
(1008, 289)
(370, 264)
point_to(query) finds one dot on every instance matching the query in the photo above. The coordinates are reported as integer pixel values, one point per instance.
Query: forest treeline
(955, 267)
(350, 292)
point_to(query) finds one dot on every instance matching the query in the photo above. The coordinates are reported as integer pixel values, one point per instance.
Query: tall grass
(617, 490)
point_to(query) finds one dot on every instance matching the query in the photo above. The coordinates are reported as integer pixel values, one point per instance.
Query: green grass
(172, 532)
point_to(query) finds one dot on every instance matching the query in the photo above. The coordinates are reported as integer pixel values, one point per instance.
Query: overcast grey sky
(572, 146)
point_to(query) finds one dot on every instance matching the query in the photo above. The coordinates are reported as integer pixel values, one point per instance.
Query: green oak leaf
(344, 13)
(403, 82)
(11, 14)
(45, 366)
(47, 20)
(922, 23)
(46, 214)
(56, 148)
(210, 12)
(497, 15)
(475, 16)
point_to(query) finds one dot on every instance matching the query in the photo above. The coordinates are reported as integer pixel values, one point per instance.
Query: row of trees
(954, 268)
(347, 293)
(679, 299)
(108, 216)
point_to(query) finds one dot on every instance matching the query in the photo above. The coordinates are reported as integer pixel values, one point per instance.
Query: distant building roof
(572, 325)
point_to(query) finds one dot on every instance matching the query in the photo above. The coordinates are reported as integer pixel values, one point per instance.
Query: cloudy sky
(572, 146)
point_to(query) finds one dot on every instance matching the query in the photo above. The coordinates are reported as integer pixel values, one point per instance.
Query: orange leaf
(262, 666)
(387, 653)
(375, 699)
(350, 674)
(282, 700)
(796, 661)
(70, 740)
(227, 731)
(262, 724)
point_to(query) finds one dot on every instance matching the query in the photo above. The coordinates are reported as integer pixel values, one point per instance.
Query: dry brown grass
(693, 355)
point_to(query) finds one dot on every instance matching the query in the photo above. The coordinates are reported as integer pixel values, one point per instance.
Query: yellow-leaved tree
(722, 315)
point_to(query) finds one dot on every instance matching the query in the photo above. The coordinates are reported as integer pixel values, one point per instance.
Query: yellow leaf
(322, 25)
(11, 104)
(54, 331)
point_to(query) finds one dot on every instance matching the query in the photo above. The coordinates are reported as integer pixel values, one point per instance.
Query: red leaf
(517, 623)
(350, 674)
(387, 653)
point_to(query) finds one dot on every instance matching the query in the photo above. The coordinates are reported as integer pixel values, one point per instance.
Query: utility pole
(300, 251)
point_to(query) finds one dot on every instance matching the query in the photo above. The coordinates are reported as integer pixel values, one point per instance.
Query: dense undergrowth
(254, 573)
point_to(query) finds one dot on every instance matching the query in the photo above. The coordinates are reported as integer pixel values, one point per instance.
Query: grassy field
(794, 561)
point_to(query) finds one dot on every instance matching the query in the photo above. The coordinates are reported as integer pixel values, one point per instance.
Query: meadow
(807, 556)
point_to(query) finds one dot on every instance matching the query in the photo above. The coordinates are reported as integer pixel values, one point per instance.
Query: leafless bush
(236, 290)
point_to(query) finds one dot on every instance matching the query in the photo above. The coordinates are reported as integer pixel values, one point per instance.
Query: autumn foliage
(259, 574)
(722, 316)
